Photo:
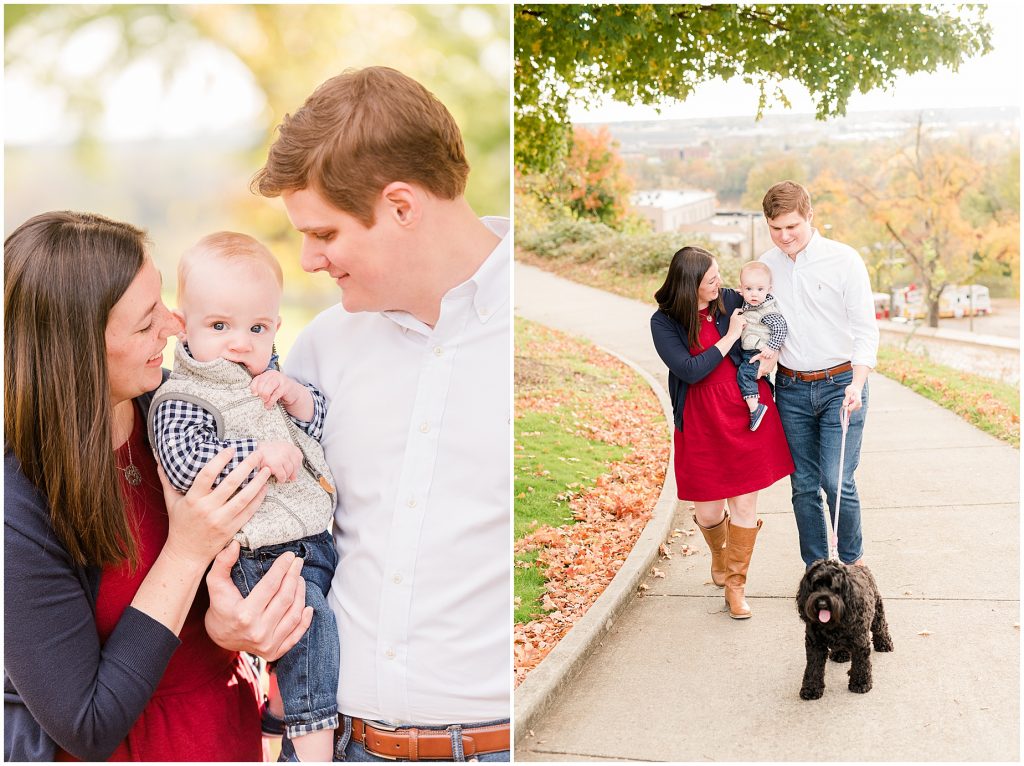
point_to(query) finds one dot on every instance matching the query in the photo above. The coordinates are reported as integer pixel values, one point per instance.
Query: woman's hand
(203, 520)
(270, 620)
(736, 324)
(200, 524)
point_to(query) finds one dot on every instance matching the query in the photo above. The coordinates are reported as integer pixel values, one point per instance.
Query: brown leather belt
(428, 744)
(813, 375)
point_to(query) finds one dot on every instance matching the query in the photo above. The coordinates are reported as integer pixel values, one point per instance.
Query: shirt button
(424, 427)
(438, 351)
(484, 312)
(412, 502)
(390, 654)
(396, 578)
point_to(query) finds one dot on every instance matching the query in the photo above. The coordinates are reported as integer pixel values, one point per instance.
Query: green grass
(529, 586)
(987, 404)
(553, 465)
(555, 462)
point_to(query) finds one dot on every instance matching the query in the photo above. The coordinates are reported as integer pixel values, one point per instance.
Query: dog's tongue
(824, 615)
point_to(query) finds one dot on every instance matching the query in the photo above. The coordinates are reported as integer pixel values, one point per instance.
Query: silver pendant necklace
(131, 472)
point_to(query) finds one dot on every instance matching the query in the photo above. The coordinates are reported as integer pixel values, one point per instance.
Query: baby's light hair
(227, 246)
(755, 266)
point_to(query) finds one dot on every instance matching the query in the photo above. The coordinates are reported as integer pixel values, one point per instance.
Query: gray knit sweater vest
(755, 334)
(291, 510)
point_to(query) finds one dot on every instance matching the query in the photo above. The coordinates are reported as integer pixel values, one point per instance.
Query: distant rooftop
(667, 199)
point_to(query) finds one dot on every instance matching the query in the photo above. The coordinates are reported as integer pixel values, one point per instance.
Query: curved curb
(538, 690)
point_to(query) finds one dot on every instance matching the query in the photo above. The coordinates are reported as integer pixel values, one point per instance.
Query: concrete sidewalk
(676, 679)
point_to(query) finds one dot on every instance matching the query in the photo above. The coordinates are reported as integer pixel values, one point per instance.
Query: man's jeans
(307, 674)
(346, 749)
(810, 418)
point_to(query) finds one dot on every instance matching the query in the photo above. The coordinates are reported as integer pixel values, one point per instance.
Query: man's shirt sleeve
(860, 310)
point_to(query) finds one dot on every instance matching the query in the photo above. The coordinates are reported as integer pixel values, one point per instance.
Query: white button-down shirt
(825, 296)
(418, 437)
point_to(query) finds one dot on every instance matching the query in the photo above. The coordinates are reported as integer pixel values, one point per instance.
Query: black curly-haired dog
(843, 612)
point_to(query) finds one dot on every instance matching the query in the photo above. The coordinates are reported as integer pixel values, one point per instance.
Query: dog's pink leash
(833, 532)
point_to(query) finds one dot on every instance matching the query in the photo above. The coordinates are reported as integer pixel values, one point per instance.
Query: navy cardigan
(61, 687)
(685, 369)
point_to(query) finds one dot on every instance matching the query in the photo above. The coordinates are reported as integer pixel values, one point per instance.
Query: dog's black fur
(857, 621)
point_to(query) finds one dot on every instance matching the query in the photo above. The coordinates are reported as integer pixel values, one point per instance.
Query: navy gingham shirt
(186, 439)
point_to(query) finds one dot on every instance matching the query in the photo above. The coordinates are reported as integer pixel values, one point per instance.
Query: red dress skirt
(206, 706)
(716, 454)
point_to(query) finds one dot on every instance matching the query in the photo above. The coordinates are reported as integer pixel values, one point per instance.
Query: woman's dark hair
(63, 274)
(677, 297)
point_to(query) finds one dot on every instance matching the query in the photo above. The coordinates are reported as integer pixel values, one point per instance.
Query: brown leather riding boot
(737, 560)
(716, 538)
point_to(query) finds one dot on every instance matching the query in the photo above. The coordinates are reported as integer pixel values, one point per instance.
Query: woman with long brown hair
(718, 460)
(105, 654)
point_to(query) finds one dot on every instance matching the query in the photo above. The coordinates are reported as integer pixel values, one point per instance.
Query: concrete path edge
(541, 686)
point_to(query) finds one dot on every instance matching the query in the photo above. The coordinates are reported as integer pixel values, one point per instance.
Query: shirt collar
(812, 244)
(491, 280)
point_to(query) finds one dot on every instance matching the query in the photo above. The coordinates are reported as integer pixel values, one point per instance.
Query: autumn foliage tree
(918, 198)
(648, 54)
(595, 184)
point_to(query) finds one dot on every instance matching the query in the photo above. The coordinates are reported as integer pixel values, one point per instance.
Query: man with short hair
(823, 367)
(416, 367)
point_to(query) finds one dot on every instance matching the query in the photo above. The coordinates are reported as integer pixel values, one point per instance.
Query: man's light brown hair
(359, 132)
(785, 197)
(227, 246)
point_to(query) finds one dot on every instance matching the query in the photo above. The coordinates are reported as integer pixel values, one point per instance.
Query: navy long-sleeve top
(684, 368)
(61, 687)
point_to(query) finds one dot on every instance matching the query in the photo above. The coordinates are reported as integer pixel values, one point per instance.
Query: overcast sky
(991, 80)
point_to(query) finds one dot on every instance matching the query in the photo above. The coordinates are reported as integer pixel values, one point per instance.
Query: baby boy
(226, 391)
(764, 333)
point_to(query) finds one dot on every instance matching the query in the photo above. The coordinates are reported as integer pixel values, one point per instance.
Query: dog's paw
(812, 692)
(860, 687)
(883, 644)
(839, 655)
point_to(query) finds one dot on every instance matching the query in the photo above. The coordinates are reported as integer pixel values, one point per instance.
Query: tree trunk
(933, 312)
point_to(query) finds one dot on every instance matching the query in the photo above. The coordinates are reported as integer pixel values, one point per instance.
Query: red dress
(716, 454)
(206, 706)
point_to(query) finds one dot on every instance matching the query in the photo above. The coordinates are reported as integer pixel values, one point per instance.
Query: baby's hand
(282, 458)
(273, 386)
(768, 354)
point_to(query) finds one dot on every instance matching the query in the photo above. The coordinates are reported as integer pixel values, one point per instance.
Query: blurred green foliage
(181, 189)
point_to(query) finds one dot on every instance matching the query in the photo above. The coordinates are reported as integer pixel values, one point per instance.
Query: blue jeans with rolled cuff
(307, 674)
(810, 419)
(746, 374)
